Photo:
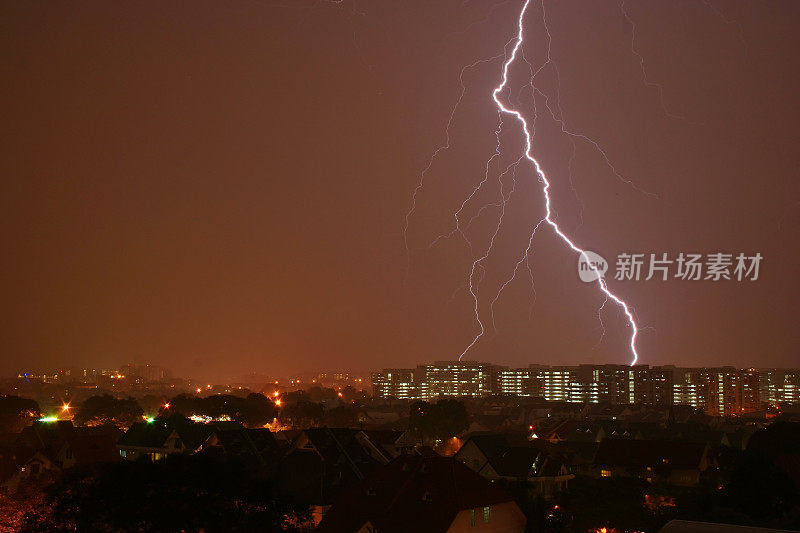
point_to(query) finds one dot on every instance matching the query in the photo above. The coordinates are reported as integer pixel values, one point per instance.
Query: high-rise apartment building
(459, 378)
(723, 391)
(521, 381)
(395, 383)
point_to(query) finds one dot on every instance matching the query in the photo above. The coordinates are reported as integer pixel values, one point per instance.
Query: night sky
(220, 187)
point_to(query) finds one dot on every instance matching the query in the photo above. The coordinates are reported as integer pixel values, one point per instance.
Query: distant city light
(65, 407)
(166, 405)
(206, 419)
(278, 402)
(49, 419)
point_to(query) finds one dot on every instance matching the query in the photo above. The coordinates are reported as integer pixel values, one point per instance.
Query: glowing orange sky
(220, 188)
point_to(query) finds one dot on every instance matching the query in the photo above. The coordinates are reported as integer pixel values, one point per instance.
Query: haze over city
(446, 266)
(222, 190)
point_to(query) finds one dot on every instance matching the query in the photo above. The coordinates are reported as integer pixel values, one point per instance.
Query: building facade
(395, 383)
(459, 378)
(719, 391)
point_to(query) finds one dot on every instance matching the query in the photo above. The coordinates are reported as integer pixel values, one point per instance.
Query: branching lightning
(501, 93)
(640, 57)
(548, 218)
(443, 147)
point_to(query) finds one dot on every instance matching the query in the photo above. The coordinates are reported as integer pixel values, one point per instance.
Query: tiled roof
(146, 435)
(94, 448)
(413, 493)
(642, 453)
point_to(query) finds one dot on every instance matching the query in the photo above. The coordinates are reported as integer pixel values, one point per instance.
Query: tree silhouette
(180, 493)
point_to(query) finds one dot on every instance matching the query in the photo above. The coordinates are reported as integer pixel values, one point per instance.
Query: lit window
(605, 473)
(486, 514)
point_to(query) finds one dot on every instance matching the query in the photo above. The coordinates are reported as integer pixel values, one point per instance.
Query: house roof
(154, 434)
(94, 448)
(384, 440)
(515, 461)
(512, 455)
(258, 444)
(333, 459)
(303, 475)
(383, 436)
(642, 453)
(684, 526)
(340, 446)
(491, 444)
(146, 435)
(413, 493)
(576, 453)
(559, 429)
(45, 436)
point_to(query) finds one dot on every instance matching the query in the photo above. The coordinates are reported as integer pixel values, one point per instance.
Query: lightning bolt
(443, 147)
(548, 218)
(635, 51)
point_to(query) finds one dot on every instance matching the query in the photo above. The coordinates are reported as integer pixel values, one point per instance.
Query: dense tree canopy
(302, 413)
(255, 410)
(764, 485)
(180, 493)
(105, 409)
(614, 504)
(16, 413)
(438, 421)
(341, 416)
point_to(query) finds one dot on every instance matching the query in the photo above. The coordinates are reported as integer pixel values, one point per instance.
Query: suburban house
(513, 458)
(26, 465)
(87, 449)
(256, 446)
(554, 431)
(157, 439)
(674, 462)
(322, 462)
(44, 449)
(424, 493)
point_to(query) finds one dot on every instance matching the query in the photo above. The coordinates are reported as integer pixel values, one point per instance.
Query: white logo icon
(591, 266)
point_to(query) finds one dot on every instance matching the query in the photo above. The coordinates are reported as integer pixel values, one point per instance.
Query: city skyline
(374, 265)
